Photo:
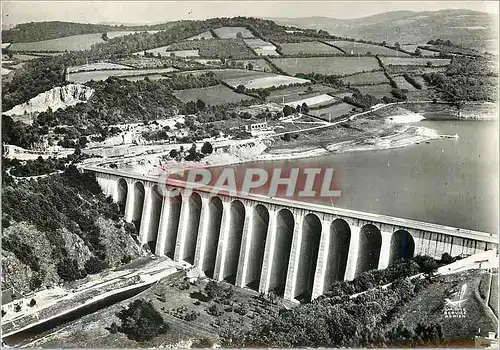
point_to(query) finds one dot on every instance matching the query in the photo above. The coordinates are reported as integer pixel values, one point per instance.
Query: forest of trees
(335, 320)
(469, 79)
(71, 201)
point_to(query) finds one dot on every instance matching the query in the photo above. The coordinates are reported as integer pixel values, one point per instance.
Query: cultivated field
(295, 93)
(327, 65)
(315, 101)
(258, 64)
(265, 82)
(403, 84)
(262, 47)
(232, 32)
(213, 95)
(166, 51)
(334, 111)
(377, 91)
(413, 70)
(82, 77)
(413, 47)
(354, 48)
(414, 61)
(308, 47)
(69, 43)
(216, 48)
(96, 66)
(204, 35)
(369, 78)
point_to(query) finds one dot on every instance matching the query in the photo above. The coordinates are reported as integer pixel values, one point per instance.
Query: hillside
(59, 228)
(470, 28)
(38, 31)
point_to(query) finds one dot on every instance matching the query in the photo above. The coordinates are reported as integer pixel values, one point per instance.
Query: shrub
(215, 310)
(140, 321)
(68, 270)
(32, 302)
(94, 265)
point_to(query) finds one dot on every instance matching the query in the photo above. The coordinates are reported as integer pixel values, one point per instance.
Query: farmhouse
(256, 127)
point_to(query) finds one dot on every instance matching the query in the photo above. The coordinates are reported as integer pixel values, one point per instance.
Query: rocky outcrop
(56, 98)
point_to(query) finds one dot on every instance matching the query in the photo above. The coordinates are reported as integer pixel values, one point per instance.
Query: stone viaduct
(295, 248)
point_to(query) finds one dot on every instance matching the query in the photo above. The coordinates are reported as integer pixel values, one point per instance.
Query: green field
(204, 35)
(354, 48)
(415, 61)
(98, 75)
(69, 43)
(425, 53)
(262, 47)
(213, 95)
(258, 64)
(403, 84)
(369, 78)
(295, 93)
(308, 47)
(215, 48)
(232, 32)
(334, 111)
(327, 65)
(378, 91)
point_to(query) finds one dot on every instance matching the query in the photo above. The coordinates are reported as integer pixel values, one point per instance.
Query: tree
(397, 46)
(305, 108)
(239, 35)
(286, 137)
(200, 105)
(32, 302)
(104, 36)
(250, 66)
(207, 148)
(173, 153)
(240, 88)
(384, 43)
(418, 52)
(287, 110)
(429, 64)
(140, 321)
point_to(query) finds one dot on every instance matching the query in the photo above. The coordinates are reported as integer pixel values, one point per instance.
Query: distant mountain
(470, 28)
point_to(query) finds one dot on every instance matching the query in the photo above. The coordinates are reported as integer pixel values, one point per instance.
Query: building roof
(9, 295)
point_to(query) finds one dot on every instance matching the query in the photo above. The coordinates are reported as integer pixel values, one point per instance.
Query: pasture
(213, 95)
(354, 48)
(99, 75)
(315, 101)
(261, 47)
(370, 78)
(258, 64)
(166, 51)
(377, 91)
(96, 66)
(334, 111)
(413, 47)
(295, 93)
(308, 47)
(403, 84)
(215, 48)
(266, 82)
(338, 66)
(232, 32)
(204, 35)
(69, 43)
(415, 61)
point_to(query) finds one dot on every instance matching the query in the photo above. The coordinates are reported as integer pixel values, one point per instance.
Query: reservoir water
(446, 181)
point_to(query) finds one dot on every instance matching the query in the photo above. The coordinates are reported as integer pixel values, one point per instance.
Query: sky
(142, 12)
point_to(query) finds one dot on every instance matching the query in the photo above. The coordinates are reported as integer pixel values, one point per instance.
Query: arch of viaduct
(293, 248)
